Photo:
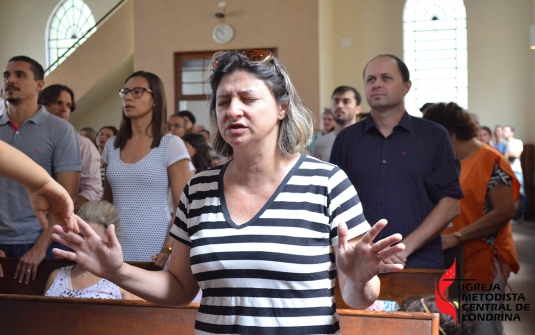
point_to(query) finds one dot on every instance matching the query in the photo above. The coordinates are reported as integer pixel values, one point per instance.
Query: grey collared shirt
(51, 142)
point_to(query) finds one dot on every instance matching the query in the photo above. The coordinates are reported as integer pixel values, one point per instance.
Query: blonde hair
(101, 212)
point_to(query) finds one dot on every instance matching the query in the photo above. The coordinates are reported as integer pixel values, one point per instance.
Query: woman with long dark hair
(199, 151)
(142, 161)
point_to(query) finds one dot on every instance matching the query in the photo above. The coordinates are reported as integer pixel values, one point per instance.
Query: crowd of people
(241, 211)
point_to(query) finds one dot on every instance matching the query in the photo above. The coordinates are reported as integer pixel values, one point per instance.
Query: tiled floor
(524, 281)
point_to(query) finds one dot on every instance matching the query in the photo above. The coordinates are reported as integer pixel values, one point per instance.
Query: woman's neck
(251, 169)
(142, 127)
(465, 149)
(80, 271)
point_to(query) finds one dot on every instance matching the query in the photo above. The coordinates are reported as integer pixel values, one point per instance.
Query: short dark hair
(428, 304)
(510, 127)
(454, 119)
(35, 67)
(426, 106)
(402, 67)
(158, 122)
(112, 128)
(188, 115)
(51, 94)
(343, 89)
(487, 129)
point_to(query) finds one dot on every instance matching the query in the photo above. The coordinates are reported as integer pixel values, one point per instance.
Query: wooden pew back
(24, 311)
(8, 285)
(20, 314)
(398, 286)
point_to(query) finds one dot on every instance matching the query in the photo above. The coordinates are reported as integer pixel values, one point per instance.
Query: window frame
(426, 18)
(179, 57)
(67, 7)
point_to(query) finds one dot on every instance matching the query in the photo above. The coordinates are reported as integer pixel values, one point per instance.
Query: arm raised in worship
(173, 287)
(28, 263)
(46, 195)
(359, 261)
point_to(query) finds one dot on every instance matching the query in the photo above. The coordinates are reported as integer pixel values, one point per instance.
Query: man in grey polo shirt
(51, 143)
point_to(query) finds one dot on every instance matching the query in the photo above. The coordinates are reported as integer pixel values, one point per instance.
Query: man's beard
(13, 101)
(342, 121)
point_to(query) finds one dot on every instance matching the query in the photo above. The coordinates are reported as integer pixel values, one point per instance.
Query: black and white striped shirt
(274, 274)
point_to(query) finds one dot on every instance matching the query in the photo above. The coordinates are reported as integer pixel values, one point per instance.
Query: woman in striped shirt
(264, 235)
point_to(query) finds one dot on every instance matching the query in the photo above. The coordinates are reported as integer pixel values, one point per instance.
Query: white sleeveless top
(62, 287)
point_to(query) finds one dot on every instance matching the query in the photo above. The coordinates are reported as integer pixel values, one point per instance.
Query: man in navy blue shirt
(403, 167)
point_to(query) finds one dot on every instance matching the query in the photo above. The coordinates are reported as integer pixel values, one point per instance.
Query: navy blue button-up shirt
(402, 177)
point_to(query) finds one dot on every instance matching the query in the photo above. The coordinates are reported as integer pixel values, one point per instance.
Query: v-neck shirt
(277, 271)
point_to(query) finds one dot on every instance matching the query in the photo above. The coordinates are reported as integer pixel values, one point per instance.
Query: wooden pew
(10, 286)
(23, 314)
(398, 286)
(27, 312)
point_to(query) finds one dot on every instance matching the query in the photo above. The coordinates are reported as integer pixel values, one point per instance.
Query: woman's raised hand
(361, 259)
(54, 199)
(101, 258)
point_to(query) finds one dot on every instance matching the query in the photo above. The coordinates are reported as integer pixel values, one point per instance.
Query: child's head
(100, 215)
(428, 305)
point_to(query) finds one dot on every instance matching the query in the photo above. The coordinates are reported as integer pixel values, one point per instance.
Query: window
(70, 22)
(192, 74)
(434, 43)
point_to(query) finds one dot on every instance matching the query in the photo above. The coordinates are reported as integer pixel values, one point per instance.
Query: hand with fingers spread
(360, 260)
(103, 259)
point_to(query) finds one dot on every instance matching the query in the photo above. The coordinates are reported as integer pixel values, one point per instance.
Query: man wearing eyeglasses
(404, 168)
(51, 143)
(189, 121)
(176, 125)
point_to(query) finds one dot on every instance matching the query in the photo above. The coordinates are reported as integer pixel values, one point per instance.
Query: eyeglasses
(137, 92)
(252, 56)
